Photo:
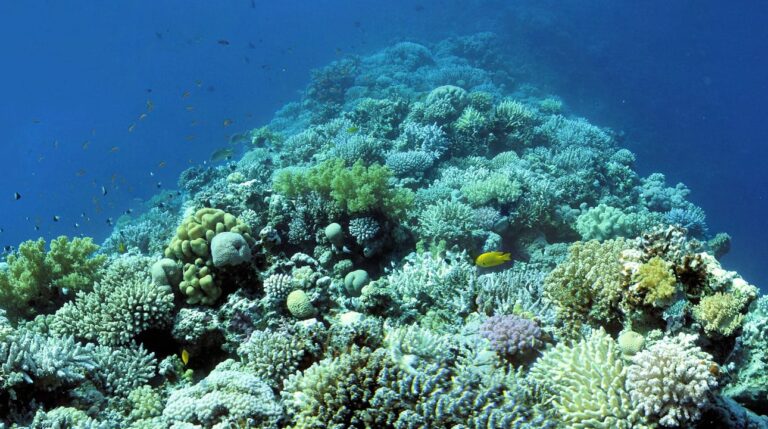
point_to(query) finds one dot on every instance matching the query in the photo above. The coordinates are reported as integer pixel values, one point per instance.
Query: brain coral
(671, 380)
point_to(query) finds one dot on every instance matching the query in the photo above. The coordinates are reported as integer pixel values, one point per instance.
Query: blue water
(683, 80)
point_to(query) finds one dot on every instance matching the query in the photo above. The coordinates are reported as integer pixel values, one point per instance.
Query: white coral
(672, 380)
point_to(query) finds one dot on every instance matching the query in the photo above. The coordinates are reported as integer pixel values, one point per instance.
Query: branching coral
(720, 313)
(587, 287)
(654, 283)
(122, 305)
(226, 397)
(586, 383)
(671, 380)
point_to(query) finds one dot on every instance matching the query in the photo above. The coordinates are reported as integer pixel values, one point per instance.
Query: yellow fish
(492, 259)
(121, 248)
(184, 356)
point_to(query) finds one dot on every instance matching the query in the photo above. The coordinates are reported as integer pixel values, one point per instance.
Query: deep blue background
(684, 80)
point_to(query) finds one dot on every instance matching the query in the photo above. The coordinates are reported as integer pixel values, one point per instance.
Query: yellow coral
(720, 313)
(587, 287)
(654, 282)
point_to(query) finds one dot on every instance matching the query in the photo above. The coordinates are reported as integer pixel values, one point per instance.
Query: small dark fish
(251, 45)
(227, 122)
(128, 211)
(222, 154)
(185, 94)
(247, 60)
(161, 205)
(16, 196)
(211, 88)
(103, 190)
(109, 221)
(77, 225)
(253, 4)
(237, 138)
(35, 121)
(82, 214)
(37, 227)
(56, 218)
(86, 144)
(159, 35)
(161, 164)
(1, 230)
(223, 42)
(159, 184)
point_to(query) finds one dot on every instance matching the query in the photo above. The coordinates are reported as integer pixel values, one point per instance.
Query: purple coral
(512, 335)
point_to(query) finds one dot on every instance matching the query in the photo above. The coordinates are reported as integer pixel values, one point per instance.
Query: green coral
(587, 287)
(492, 188)
(33, 276)
(655, 282)
(586, 384)
(720, 313)
(192, 247)
(604, 222)
(355, 189)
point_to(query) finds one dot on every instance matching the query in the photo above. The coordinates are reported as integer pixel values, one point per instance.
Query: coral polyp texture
(327, 277)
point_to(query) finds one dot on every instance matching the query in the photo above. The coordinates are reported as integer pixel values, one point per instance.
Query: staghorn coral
(440, 285)
(450, 221)
(47, 362)
(518, 290)
(671, 380)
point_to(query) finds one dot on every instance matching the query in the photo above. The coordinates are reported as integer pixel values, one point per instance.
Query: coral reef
(361, 302)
